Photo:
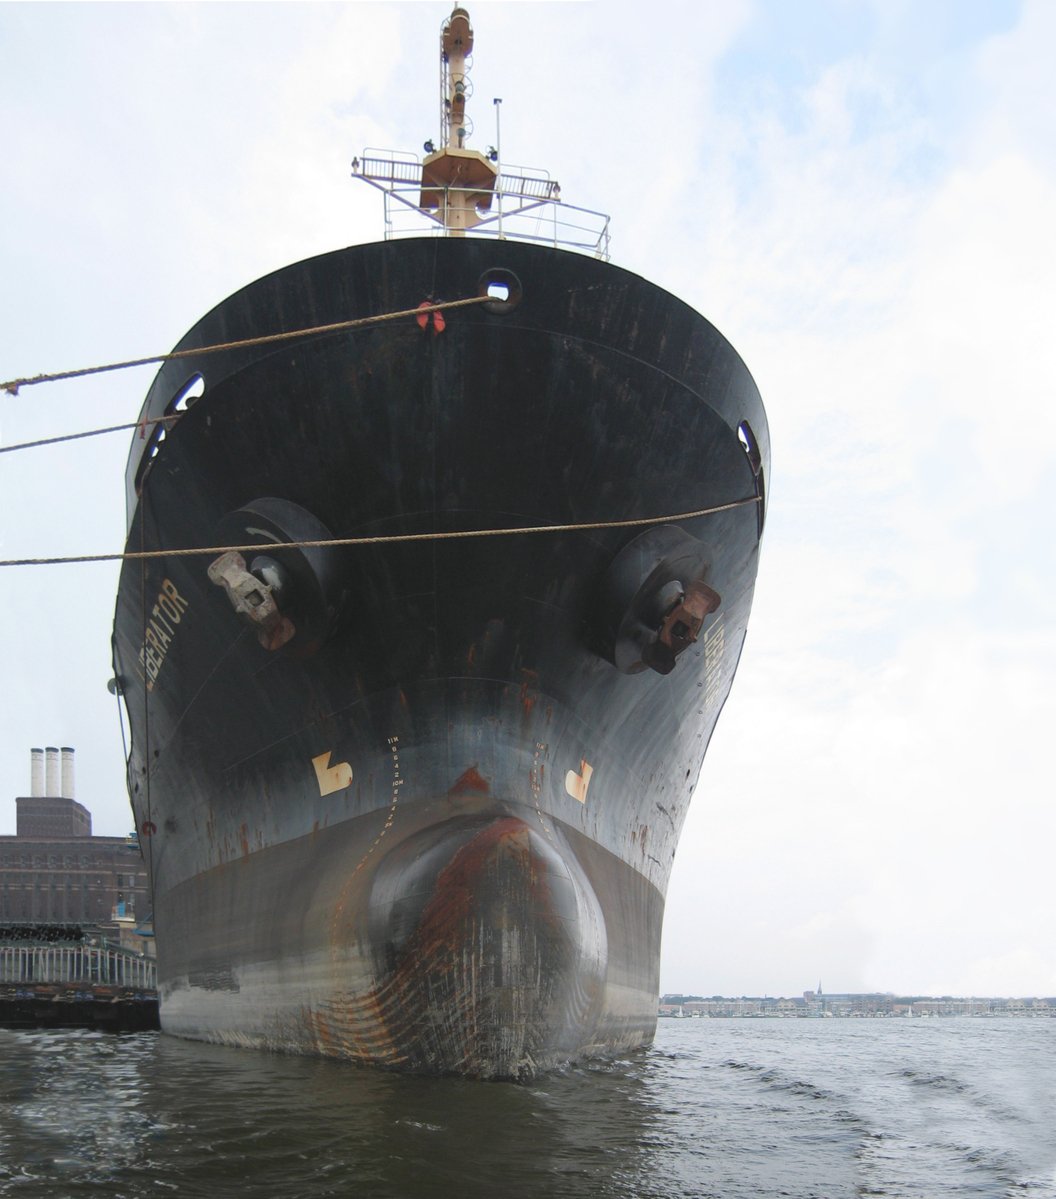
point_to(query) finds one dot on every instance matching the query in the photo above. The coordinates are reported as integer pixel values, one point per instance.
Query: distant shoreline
(815, 1005)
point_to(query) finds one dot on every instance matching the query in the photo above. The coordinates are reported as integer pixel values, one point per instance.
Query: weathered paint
(453, 905)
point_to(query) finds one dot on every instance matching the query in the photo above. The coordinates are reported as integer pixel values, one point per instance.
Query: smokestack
(36, 772)
(67, 772)
(52, 781)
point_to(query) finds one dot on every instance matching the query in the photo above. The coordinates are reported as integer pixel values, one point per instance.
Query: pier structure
(107, 965)
(56, 976)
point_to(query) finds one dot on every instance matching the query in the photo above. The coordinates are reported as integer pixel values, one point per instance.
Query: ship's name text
(159, 631)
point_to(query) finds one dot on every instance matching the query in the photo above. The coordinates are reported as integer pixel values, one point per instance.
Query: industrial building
(53, 871)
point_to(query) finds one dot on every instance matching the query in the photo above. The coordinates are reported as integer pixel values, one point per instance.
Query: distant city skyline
(686, 996)
(868, 1005)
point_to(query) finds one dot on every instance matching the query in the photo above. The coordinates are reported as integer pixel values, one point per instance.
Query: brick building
(53, 870)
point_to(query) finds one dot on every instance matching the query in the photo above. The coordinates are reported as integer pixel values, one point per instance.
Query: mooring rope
(136, 424)
(384, 539)
(12, 386)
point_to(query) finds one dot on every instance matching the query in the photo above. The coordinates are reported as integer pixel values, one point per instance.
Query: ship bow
(490, 955)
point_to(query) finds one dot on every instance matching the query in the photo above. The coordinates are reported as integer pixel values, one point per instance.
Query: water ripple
(716, 1110)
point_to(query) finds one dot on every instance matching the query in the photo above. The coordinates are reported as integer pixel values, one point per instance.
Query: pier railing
(87, 964)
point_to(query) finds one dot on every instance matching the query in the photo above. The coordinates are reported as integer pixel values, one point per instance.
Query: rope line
(136, 424)
(385, 539)
(12, 385)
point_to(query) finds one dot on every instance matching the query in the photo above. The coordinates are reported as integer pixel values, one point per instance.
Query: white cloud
(885, 733)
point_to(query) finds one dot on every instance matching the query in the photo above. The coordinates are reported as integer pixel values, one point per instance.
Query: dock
(60, 977)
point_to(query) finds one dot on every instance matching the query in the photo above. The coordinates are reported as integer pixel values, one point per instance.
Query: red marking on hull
(470, 782)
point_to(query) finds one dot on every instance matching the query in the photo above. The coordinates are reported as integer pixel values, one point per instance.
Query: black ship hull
(427, 818)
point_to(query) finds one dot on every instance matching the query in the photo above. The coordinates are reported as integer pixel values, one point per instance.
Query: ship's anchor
(654, 601)
(253, 596)
(288, 594)
(681, 625)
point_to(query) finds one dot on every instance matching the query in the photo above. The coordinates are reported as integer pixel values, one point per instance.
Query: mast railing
(526, 206)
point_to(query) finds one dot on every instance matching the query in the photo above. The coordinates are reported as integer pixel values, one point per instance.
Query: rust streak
(529, 689)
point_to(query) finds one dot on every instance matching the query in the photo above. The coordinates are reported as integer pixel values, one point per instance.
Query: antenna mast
(456, 45)
(458, 184)
(457, 191)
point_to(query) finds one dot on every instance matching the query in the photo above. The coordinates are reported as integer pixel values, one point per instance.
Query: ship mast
(457, 191)
(457, 183)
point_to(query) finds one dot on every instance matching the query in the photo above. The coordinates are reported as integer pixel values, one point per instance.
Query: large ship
(440, 558)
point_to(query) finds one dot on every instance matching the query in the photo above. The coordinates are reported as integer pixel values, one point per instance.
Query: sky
(859, 194)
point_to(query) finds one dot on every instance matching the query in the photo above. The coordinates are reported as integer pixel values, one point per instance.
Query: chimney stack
(52, 780)
(67, 772)
(36, 773)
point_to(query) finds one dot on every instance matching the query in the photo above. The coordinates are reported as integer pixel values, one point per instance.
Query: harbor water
(723, 1109)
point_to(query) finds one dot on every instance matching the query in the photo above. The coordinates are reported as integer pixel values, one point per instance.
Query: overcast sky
(861, 196)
